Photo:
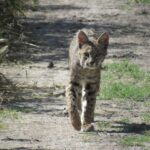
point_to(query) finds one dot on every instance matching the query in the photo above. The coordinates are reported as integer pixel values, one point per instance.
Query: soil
(43, 123)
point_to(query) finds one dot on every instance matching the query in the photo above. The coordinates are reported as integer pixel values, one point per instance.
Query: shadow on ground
(52, 37)
(133, 127)
(37, 101)
(53, 7)
(123, 127)
(7, 89)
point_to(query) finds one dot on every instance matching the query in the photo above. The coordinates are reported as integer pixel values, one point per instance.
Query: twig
(3, 41)
(30, 44)
(3, 49)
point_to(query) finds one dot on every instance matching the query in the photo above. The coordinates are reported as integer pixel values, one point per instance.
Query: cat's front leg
(72, 106)
(88, 106)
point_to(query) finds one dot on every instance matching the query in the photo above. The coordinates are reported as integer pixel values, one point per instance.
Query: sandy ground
(42, 123)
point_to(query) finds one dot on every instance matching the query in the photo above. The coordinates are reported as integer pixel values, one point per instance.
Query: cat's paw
(87, 128)
(75, 120)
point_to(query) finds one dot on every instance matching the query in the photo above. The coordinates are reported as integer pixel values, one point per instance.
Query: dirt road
(41, 122)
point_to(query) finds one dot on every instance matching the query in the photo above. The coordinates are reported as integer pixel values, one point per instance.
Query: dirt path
(42, 123)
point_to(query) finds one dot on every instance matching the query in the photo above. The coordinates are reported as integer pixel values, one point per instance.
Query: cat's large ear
(82, 38)
(103, 40)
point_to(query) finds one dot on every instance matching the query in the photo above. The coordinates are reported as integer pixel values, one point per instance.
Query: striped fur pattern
(86, 54)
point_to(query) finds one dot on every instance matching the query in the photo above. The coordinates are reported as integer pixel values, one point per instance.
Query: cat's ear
(82, 38)
(103, 39)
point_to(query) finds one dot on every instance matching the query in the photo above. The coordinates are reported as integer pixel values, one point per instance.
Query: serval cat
(86, 54)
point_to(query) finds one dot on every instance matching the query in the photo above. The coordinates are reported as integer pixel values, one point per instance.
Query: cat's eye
(86, 54)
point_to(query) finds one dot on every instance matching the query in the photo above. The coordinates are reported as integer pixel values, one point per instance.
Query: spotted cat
(86, 54)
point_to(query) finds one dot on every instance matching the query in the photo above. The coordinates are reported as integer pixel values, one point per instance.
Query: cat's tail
(73, 108)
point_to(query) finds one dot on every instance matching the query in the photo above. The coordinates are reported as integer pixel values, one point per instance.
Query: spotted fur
(86, 54)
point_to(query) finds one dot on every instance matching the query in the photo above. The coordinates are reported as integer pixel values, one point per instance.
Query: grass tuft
(127, 68)
(125, 91)
(124, 81)
(135, 140)
(146, 117)
(103, 125)
(8, 113)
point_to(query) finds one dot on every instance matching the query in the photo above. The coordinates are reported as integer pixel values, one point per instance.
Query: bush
(10, 10)
(10, 26)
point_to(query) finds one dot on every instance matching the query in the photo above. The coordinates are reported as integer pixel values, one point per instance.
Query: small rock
(51, 65)
(18, 74)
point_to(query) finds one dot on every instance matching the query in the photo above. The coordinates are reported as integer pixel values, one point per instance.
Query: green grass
(124, 120)
(8, 113)
(146, 117)
(103, 125)
(147, 104)
(124, 81)
(135, 140)
(125, 91)
(125, 68)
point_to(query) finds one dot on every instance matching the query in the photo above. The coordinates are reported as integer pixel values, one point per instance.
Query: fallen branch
(3, 50)
(30, 44)
(3, 41)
